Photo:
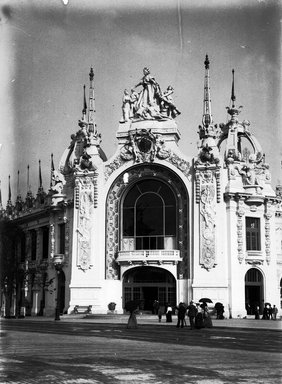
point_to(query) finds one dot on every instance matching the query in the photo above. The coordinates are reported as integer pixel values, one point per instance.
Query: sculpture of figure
(167, 106)
(248, 172)
(85, 162)
(147, 101)
(133, 102)
(126, 105)
(59, 181)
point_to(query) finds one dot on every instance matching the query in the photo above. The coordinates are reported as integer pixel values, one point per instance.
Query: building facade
(151, 223)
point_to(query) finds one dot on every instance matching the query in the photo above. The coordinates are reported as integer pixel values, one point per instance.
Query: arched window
(149, 216)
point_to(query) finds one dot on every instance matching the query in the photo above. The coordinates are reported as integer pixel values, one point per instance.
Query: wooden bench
(82, 309)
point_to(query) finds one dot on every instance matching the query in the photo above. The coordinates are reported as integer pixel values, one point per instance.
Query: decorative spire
(84, 104)
(1, 205)
(207, 116)
(10, 193)
(19, 202)
(27, 182)
(233, 97)
(91, 114)
(18, 184)
(29, 197)
(233, 111)
(40, 177)
(40, 194)
(9, 207)
(52, 170)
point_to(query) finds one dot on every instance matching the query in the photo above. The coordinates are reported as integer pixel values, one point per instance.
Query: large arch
(114, 214)
(147, 284)
(254, 290)
(149, 213)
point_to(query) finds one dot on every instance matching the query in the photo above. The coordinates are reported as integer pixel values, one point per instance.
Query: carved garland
(267, 216)
(67, 241)
(240, 214)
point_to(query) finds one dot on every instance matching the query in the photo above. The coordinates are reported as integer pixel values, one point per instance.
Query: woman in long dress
(147, 101)
(206, 316)
(168, 314)
(132, 321)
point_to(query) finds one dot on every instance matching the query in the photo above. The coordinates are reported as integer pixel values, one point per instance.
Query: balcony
(254, 257)
(148, 257)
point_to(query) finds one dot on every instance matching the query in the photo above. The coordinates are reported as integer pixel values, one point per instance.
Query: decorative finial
(52, 170)
(233, 97)
(1, 206)
(91, 74)
(84, 104)
(28, 186)
(207, 116)
(18, 184)
(40, 177)
(233, 111)
(91, 114)
(10, 193)
(207, 62)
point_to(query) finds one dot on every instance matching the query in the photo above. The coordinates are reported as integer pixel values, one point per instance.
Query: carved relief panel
(207, 200)
(85, 205)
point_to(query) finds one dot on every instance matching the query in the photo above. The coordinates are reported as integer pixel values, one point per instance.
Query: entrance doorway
(253, 291)
(147, 284)
(61, 291)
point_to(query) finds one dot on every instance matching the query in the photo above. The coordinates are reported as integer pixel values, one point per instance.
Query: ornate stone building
(151, 223)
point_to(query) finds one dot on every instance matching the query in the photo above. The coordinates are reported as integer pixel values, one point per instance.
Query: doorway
(147, 284)
(253, 291)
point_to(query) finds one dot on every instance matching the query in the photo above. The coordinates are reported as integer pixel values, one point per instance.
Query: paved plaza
(100, 349)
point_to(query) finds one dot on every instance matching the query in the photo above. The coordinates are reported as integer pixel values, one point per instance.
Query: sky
(48, 47)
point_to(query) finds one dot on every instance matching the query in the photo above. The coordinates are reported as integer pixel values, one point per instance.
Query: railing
(254, 256)
(152, 256)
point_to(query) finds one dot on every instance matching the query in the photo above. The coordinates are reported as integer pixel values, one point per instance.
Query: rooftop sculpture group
(150, 103)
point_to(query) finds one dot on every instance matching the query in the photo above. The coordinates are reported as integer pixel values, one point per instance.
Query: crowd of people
(197, 313)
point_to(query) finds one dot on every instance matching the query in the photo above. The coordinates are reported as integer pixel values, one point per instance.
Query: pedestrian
(265, 313)
(206, 316)
(192, 312)
(199, 319)
(160, 313)
(219, 310)
(156, 306)
(181, 312)
(132, 321)
(270, 312)
(257, 313)
(274, 312)
(169, 314)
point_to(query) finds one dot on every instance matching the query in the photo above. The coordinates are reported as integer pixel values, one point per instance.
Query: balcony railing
(254, 257)
(152, 256)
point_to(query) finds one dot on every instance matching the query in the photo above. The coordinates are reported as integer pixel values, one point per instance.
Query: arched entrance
(253, 290)
(149, 216)
(148, 212)
(148, 284)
